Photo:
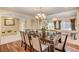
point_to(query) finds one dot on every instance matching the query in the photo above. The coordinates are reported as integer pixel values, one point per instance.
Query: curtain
(54, 24)
(73, 28)
(72, 24)
(59, 24)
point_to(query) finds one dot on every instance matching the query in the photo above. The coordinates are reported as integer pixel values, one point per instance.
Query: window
(50, 26)
(65, 25)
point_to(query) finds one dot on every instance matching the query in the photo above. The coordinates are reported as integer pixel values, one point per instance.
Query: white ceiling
(34, 10)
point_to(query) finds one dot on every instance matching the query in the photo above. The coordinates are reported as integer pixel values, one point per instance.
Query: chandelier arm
(40, 15)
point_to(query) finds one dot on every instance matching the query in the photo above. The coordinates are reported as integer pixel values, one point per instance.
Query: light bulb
(36, 17)
(44, 16)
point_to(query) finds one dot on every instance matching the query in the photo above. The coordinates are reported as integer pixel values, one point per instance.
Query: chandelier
(40, 15)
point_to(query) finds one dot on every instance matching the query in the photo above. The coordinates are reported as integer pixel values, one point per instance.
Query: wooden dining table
(46, 40)
(50, 43)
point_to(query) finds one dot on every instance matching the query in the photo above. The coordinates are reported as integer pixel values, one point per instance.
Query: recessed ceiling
(34, 10)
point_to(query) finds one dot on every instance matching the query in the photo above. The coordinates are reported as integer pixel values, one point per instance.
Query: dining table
(50, 42)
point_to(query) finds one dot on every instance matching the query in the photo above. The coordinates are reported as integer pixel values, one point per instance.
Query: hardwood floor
(16, 47)
(12, 47)
(73, 47)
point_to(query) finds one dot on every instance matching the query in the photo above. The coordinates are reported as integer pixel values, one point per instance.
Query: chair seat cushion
(59, 46)
(44, 47)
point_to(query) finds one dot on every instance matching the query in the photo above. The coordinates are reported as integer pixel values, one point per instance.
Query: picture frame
(9, 22)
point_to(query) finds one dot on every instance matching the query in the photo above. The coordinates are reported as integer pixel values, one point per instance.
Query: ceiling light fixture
(40, 15)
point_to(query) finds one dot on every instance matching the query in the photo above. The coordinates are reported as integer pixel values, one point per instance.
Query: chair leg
(25, 47)
(33, 50)
(30, 48)
(21, 43)
(51, 48)
(63, 50)
(48, 49)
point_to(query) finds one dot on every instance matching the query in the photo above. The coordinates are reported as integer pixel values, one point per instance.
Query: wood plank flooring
(16, 47)
(12, 47)
(73, 47)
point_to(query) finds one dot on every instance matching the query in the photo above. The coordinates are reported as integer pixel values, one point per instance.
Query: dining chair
(25, 40)
(28, 41)
(22, 38)
(61, 46)
(37, 46)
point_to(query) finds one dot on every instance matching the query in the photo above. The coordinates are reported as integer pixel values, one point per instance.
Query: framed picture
(9, 22)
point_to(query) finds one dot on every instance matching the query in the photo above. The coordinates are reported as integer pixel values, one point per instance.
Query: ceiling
(34, 10)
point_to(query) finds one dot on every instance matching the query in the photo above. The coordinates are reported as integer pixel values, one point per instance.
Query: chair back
(64, 43)
(27, 40)
(56, 39)
(36, 43)
(22, 36)
(61, 46)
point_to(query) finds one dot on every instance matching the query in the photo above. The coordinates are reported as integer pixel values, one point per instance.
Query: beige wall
(0, 27)
(28, 23)
(77, 23)
(32, 24)
(5, 29)
(14, 37)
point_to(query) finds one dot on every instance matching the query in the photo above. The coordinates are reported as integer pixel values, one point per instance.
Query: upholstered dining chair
(25, 40)
(37, 46)
(28, 41)
(22, 38)
(61, 46)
